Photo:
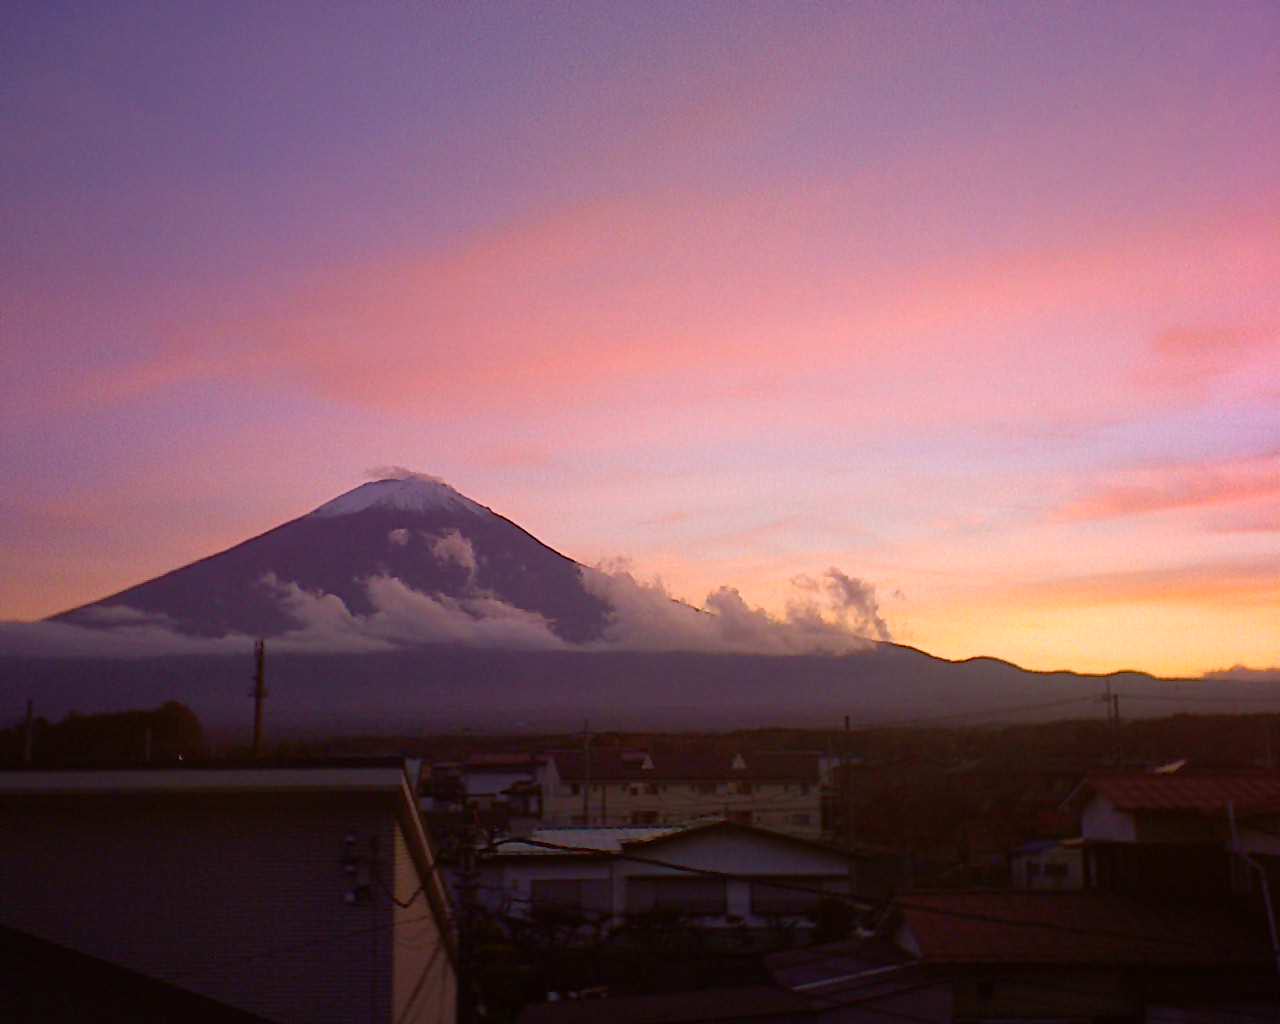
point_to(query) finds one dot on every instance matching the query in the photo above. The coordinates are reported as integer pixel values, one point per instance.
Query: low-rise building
(711, 876)
(779, 791)
(293, 892)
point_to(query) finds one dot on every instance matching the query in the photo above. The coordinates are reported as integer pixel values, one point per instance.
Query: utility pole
(586, 773)
(1112, 701)
(848, 809)
(259, 693)
(146, 745)
(28, 734)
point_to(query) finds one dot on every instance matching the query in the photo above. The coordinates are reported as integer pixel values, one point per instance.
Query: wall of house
(240, 897)
(1056, 868)
(423, 979)
(1101, 822)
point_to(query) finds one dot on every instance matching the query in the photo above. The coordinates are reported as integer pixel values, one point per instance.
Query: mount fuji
(414, 529)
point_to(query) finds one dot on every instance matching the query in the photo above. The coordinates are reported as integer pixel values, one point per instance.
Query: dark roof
(1075, 928)
(1189, 794)
(723, 1004)
(686, 766)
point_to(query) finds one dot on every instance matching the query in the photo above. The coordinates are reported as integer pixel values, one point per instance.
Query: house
(1156, 832)
(715, 875)
(612, 787)
(294, 892)
(1054, 864)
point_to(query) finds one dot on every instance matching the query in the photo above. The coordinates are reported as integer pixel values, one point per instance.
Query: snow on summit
(410, 493)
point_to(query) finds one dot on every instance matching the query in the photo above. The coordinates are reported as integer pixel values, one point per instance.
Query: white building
(714, 875)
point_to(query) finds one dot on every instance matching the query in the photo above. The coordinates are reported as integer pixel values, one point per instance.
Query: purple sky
(978, 302)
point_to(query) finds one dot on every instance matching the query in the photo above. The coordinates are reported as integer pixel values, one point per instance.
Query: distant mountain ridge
(469, 561)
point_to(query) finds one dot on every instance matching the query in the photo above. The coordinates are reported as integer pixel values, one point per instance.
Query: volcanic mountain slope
(418, 530)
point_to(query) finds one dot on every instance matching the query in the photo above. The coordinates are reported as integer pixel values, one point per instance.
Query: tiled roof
(686, 766)
(1074, 928)
(1197, 794)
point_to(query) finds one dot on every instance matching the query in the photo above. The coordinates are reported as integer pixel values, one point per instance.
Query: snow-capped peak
(416, 493)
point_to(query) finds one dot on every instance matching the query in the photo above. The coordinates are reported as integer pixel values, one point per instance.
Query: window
(705, 788)
(798, 819)
(644, 817)
(743, 788)
(651, 788)
(1055, 871)
(693, 896)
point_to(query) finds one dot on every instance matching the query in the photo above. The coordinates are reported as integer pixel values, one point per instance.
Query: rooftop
(373, 775)
(1194, 794)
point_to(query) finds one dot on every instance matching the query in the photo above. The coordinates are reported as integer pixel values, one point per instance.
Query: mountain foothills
(404, 603)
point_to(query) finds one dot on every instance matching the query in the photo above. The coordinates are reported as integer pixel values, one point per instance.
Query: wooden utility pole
(848, 808)
(259, 693)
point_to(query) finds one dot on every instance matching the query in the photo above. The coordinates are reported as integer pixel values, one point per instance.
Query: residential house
(1053, 864)
(714, 876)
(609, 787)
(298, 892)
(1153, 832)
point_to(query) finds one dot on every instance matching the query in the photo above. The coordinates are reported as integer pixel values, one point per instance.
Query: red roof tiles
(1195, 794)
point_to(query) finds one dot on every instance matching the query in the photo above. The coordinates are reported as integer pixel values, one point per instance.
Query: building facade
(297, 894)
(779, 791)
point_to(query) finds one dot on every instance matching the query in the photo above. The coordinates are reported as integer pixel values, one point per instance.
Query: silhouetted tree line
(166, 733)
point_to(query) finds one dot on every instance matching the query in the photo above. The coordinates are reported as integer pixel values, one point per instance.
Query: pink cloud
(1188, 361)
(1152, 489)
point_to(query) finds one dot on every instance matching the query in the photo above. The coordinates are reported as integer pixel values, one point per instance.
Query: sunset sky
(977, 302)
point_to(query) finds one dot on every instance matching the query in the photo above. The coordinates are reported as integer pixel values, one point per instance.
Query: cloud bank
(835, 614)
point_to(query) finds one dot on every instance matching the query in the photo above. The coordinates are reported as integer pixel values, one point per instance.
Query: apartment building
(611, 787)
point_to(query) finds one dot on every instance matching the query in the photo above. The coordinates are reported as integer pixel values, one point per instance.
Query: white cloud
(452, 546)
(646, 617)
(832, 617)
(1243, 673)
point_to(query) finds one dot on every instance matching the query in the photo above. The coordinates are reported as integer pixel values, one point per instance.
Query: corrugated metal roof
(1199, 794)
